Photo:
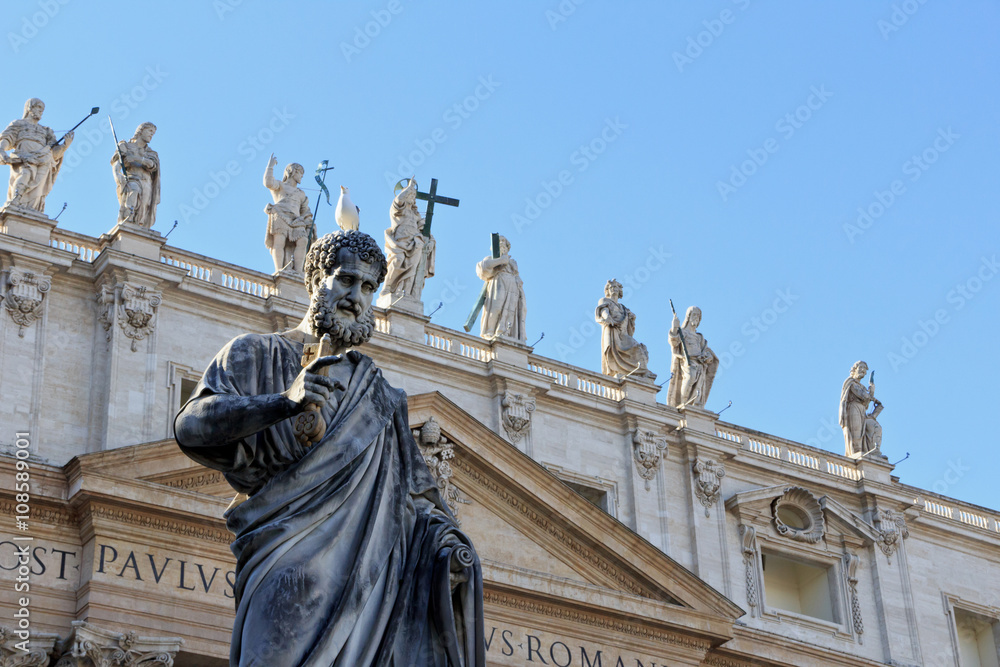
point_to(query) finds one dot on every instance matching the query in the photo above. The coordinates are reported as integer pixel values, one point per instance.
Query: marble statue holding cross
(409, 246)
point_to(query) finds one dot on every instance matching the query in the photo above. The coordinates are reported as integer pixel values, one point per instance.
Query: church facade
(613, 529)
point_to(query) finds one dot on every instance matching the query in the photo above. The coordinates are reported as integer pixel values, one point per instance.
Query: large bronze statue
(346, 552)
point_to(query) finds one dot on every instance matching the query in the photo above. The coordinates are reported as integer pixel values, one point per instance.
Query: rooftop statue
(504, 310)
(410, 253)
(346, 552)
(34, 157)
(289, 220)
(621, 354)
(862, 432)
(694, 364)
(138, 179)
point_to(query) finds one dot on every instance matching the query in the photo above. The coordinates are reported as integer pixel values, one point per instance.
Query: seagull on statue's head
(347, 212)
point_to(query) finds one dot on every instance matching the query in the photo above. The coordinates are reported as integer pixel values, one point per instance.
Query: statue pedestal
(698, 419)
(407, 304)
(641, 390)
(135, 241)
(27, 224)
(406, 324)
(290, 285)
(510, 351)
(875, 468)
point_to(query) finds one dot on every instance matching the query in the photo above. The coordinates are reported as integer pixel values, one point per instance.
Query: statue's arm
(215, 419)
(269, 182)
(860, 392)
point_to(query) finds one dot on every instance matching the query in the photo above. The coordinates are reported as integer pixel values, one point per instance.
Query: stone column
(19, 650)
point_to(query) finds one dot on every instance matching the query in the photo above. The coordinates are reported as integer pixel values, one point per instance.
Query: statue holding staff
(136, 169)
(694, 364)
(862, 432)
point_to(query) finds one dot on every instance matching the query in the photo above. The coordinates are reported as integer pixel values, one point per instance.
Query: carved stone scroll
(25, 296)
(647, 448)
(516, 412)
(708, 476)
(16, 651)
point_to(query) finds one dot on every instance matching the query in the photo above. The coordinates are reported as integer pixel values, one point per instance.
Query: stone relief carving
(516, 412)
(25, 295)
(137, 313)
(106, 310)
(647, 448)
(798, 515)
(892, 530)
(748, 538)
(708, 476)
(35, 653)
(851, 562)
(438, 452)
(90, 646)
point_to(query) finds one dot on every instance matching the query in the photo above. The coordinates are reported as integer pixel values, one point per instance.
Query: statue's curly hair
(322, 255)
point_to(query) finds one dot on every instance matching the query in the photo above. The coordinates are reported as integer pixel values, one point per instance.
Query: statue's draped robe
(862, 433)
(40, 162)
(146, 180)
(620, 353)
(504, 299)
(690, 384)
(343, 549)
(410, 254)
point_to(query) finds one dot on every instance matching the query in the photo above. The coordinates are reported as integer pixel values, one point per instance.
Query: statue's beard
(324, 321)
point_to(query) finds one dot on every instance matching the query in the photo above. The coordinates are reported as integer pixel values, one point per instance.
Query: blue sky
(820, 178)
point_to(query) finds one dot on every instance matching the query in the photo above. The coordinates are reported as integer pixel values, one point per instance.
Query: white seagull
(347, 212)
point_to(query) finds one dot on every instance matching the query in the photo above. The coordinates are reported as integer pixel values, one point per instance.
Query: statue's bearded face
(342, 301)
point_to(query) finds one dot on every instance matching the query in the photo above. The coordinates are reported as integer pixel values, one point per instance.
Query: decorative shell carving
(798, 515)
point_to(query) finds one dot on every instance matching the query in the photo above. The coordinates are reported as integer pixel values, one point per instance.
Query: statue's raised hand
(313, 387)
(272, 161)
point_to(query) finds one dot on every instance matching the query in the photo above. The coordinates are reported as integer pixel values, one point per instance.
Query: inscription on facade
(506, 645)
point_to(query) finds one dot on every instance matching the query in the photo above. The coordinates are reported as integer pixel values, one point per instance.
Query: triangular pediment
(559, 533)
(758, 507)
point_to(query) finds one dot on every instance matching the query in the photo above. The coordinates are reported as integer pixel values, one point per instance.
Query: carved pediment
(560, 533)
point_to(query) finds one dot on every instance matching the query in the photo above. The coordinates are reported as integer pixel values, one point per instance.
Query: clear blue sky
(738, 137)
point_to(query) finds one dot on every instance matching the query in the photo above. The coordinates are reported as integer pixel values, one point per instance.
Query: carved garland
(25, 294)
(646, 449)
(708, 481)
(590, 619)
(516, 412)
(748, 536)
(580, 550)
(851, 562)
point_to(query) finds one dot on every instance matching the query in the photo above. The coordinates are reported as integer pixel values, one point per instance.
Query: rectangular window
(978, 639)
(799, 587)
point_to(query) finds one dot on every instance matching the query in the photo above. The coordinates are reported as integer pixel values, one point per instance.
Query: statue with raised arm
(138, 185)
(34, 157)
(621, 354)
(862, 432)
(693, 366)
(346, 553)
(410, 253)
(289, 220)
(504, 310)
